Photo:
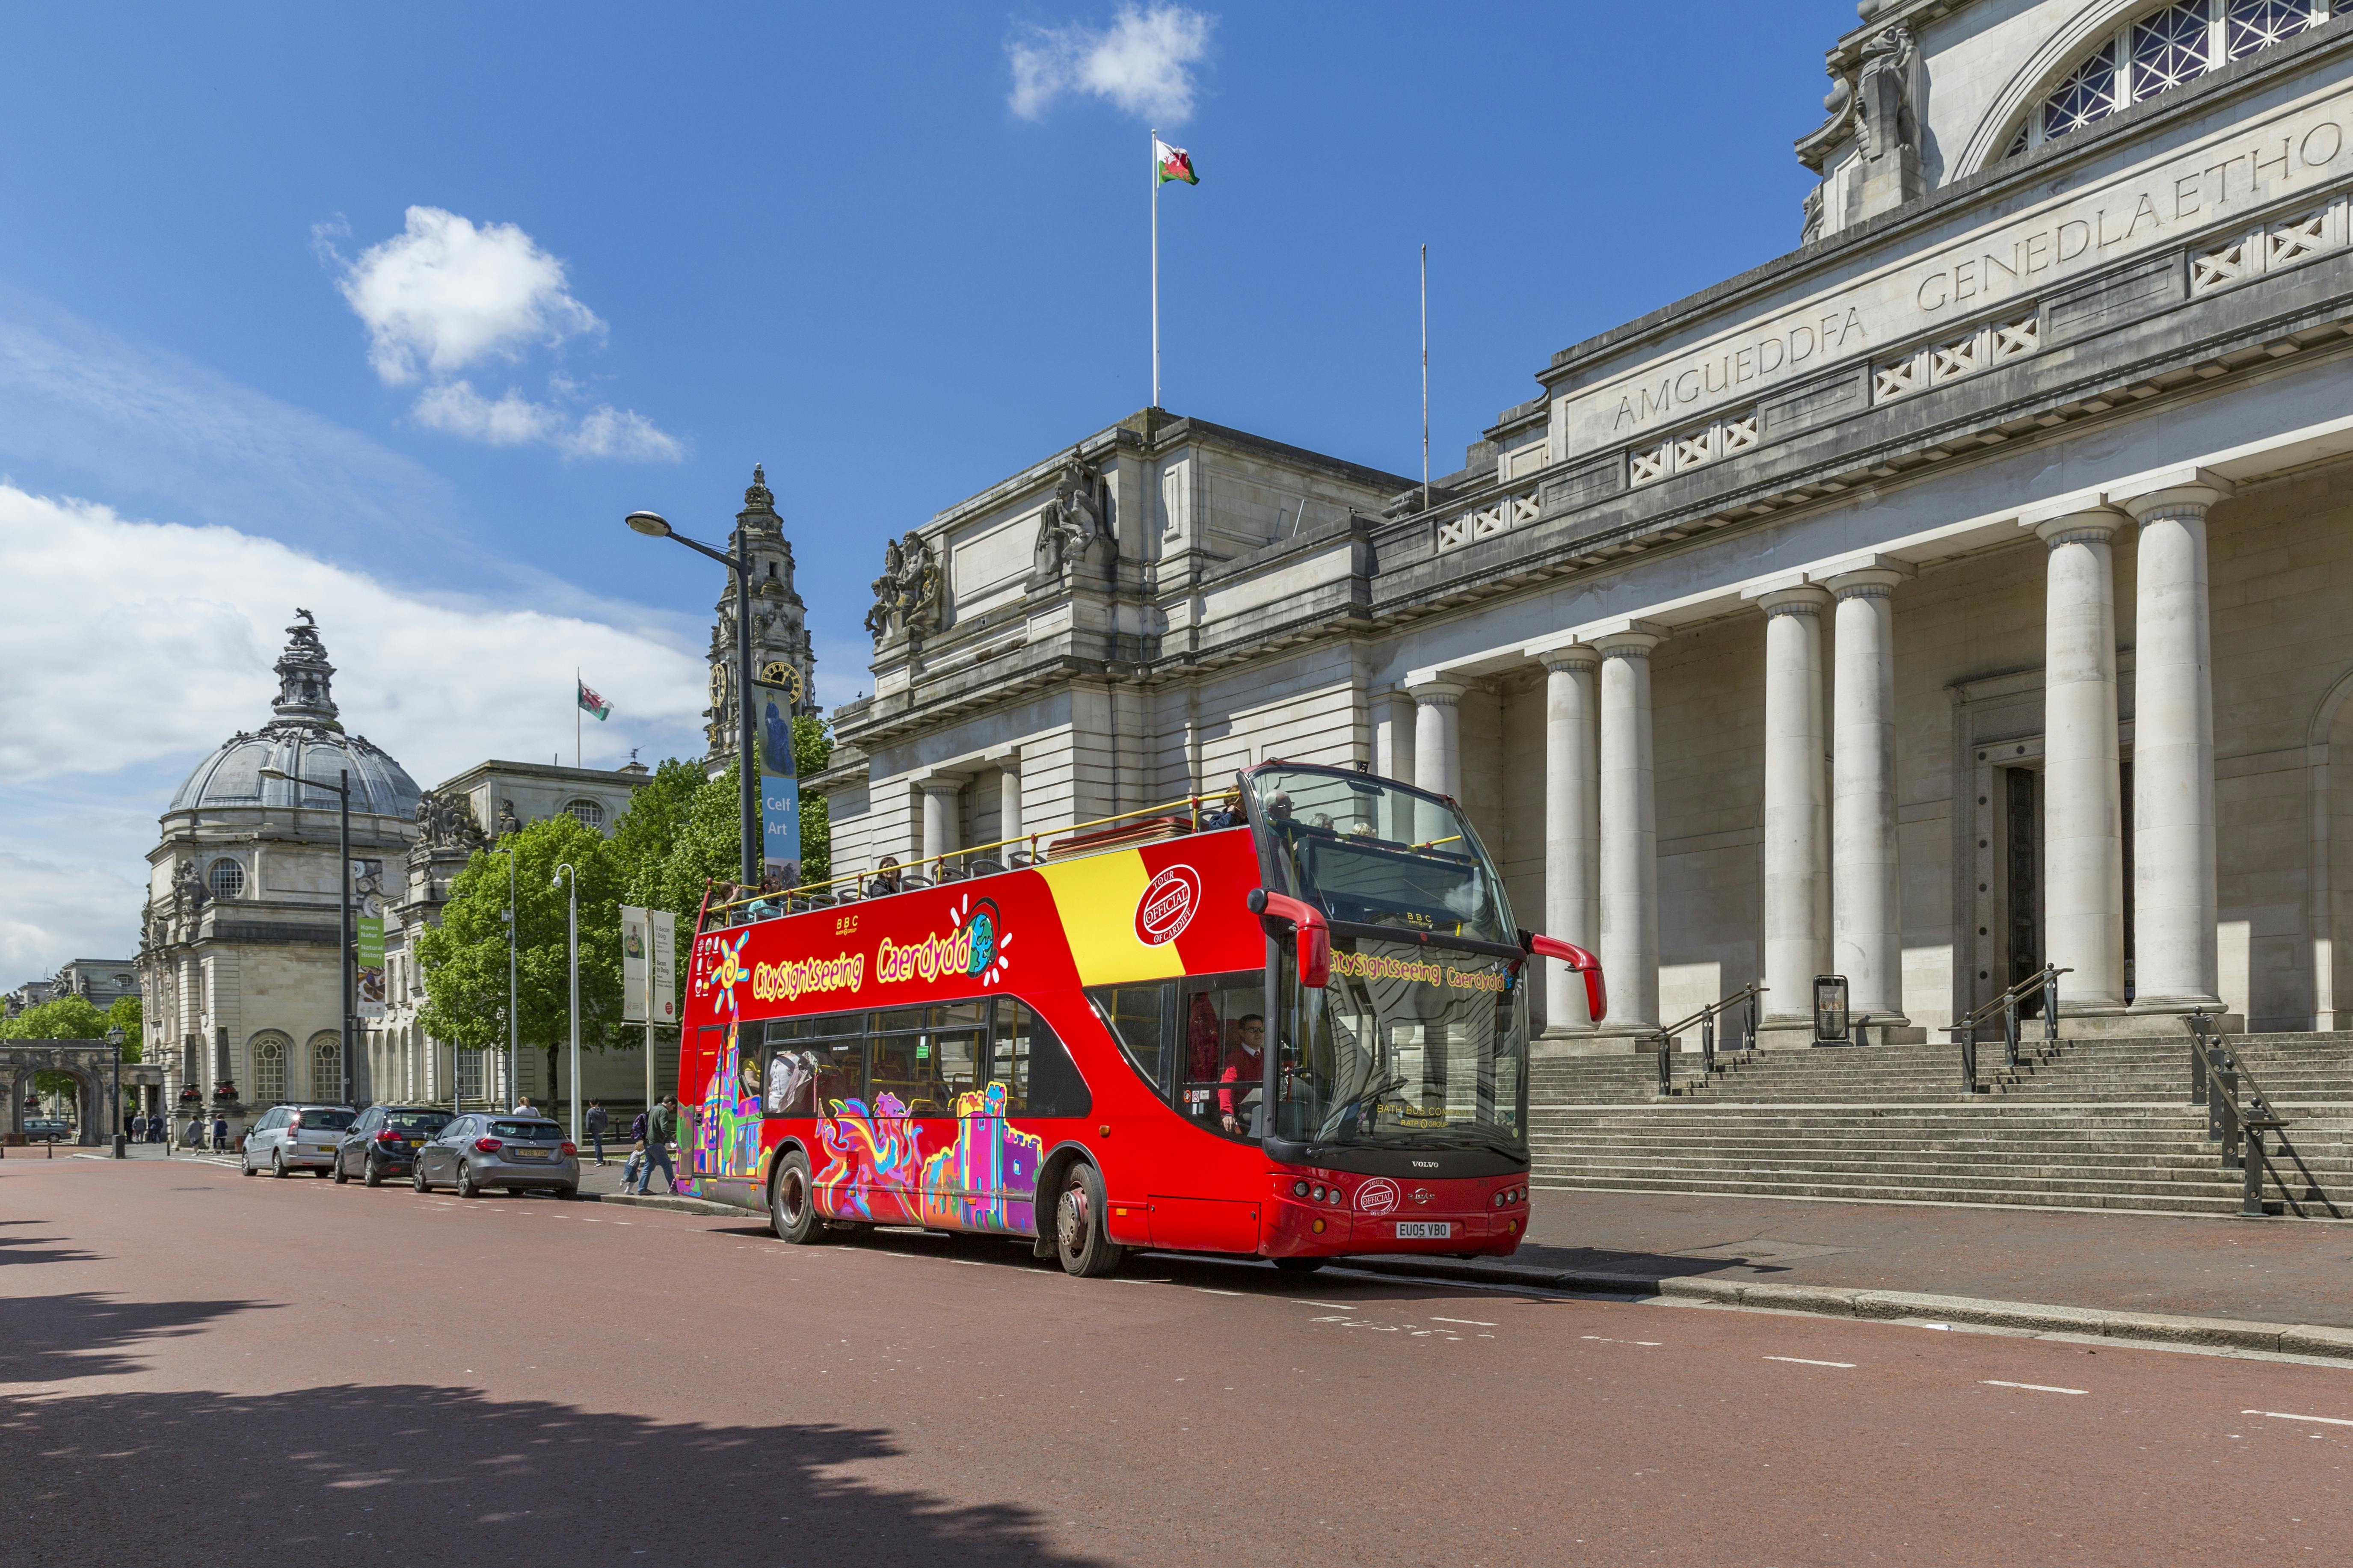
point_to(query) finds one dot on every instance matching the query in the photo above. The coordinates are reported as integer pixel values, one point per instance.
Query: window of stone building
(469, 1075)
(326, 1066)
(2158, 51)
(588, 813)
(268, 1069)
(226, 879)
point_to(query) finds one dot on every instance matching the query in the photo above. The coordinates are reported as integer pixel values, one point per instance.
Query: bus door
(1221, 1038)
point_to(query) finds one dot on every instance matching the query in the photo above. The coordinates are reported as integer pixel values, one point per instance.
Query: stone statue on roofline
(1075, 526)
(907, 594)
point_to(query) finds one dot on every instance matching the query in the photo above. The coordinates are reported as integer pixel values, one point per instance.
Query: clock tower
(780, 640)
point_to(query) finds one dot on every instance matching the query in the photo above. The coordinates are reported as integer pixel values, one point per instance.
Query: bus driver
(1244, 1066)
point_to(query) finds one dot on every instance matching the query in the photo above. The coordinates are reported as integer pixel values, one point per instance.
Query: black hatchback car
(384, 1142)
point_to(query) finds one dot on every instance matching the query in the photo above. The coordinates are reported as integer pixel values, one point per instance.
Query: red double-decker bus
(1293, 1026)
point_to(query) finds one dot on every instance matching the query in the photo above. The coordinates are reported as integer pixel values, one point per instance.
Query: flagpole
(575, 696)
(1154, 162)
(1425, 375)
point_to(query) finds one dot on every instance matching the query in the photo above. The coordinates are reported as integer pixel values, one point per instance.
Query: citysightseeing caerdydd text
(1294, 1026)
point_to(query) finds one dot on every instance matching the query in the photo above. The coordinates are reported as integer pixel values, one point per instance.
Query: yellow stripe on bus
(1096, 896)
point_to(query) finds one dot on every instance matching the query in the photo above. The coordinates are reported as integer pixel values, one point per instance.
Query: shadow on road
(87, 1334)
(16, 1249)
(417, 1473)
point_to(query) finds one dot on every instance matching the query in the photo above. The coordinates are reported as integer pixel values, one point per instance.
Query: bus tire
(792, 1201)
(1080, 1241)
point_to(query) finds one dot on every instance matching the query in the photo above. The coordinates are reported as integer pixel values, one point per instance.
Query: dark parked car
(384, 1142)
(48, 1129)
(519, 1154)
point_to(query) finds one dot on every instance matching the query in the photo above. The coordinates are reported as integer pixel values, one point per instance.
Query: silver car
(521, 1154)
(296, 1138)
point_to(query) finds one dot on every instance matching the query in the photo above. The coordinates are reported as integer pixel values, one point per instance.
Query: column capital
(940, 783)
(2176, 490)
(1866, 576)
(1568, 655)
(1628, 638)
(2080, 521)
(1806, 600)
(1436, 693)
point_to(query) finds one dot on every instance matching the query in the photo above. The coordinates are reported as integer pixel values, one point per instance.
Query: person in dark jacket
(598, 1121)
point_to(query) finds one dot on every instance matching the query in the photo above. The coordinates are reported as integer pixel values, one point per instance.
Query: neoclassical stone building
(1965, 590)
(241, 951)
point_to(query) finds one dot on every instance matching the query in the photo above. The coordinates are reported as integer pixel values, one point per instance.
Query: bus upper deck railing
(1124, 830)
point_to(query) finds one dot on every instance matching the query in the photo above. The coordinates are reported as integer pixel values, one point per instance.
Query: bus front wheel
(792, 1211)
(1085, 1249)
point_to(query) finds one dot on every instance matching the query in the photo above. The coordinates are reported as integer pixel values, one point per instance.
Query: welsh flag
(592, 703)
(1172, 162)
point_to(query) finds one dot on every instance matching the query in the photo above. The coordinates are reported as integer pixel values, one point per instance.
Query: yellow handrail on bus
(939, 862)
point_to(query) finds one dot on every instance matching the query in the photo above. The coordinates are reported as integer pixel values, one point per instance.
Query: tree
(812, 750)
(464, 959)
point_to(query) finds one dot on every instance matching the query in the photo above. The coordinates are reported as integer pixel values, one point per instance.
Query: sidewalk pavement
(2269, 1272)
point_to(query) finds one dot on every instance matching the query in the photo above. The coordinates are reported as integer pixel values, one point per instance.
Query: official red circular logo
(1167, 905)
(1377, 1196)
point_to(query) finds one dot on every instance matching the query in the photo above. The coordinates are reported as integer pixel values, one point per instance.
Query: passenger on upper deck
(1227, 813)
(886, 879)
(771, 902)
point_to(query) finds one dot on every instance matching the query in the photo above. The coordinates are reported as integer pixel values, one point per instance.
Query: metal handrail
(1705, 1018)
(1965, 1030)
(805, 895)
(2216, 1075)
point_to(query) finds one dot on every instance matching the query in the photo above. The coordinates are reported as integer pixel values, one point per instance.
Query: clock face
(776, 672)
(718, 684)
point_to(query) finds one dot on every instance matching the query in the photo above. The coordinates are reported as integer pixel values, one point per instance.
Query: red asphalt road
(197, 1368)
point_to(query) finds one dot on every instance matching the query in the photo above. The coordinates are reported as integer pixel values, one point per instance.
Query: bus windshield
(1409, 1046)
(1370, 852)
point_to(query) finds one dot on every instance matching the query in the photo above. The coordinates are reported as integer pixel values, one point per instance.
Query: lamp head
(277, 773)
(114, 1037)
(650, 523)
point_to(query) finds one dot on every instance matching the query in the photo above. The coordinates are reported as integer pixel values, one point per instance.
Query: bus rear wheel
(792, 1209)
(1085, 1249)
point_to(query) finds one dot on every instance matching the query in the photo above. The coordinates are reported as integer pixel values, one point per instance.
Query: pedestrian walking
(598, 1121)
(523, 1106)
(139, 1127)
(220, 1133)
(195, 1134)
(661, 1128)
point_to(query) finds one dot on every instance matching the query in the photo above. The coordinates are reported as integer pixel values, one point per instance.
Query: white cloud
(134, 649)
(444, 294)
(457, 409)
(1142, 63)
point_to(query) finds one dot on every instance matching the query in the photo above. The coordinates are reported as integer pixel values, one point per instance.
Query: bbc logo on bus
(1167, 906)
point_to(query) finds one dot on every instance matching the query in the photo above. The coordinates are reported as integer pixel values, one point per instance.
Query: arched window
(226, 879)
(268, 1053)
(588, 813)
(2158, 52)
(326, 1067)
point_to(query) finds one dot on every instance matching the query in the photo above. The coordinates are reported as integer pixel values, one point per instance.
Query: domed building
(239, 950)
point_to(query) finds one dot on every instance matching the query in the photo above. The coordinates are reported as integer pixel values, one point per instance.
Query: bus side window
(900, 1063)
(840, 1062)
(1029, 1059)
(959, 1047)
(1138, 1018)
(1223, 1031)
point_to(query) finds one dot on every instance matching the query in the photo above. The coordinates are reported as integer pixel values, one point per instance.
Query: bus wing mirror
(1313, 937)
(1597, 990)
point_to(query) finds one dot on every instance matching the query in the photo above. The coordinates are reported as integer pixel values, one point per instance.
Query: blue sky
(820, 237)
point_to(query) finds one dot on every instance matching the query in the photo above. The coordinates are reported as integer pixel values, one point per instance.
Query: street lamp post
(571, 880)
(654, 526)
(342, 788)
(114, 1038)
(513, 1028)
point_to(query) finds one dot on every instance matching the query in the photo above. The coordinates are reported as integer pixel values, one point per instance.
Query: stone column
(1008, 801)
(1572, 826)
(2174, 898)
(1866, 893)
(1630, 832)
(1438, 737)
(939, 820)
(2083, 855)
(1797, 811)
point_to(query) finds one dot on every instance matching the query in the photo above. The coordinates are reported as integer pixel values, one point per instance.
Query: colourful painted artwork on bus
(986, 1179)
(727, 1133)
(872, 1160)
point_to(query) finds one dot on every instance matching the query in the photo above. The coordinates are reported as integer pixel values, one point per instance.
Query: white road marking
(1801, 1360)
(1472, 1322)
(1205, 1290)
(2043, 1388)
(2289, 1416)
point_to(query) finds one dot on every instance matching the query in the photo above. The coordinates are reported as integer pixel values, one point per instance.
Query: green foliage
(129, 1014)
(67, 1018)
(464, 959)
(812, 750)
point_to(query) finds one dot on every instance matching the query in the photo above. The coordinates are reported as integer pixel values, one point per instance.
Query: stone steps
(2087, 1123)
